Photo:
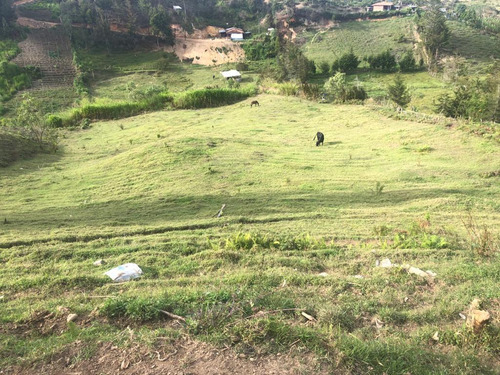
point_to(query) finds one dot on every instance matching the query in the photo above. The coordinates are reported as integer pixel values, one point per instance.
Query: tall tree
(292, 62)
(160, 26)
(435, 34)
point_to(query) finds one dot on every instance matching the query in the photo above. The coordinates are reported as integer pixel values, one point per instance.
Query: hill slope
(302, 230)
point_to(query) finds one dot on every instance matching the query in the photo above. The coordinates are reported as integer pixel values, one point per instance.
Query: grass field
(476, 47)
(145, 190)
(118, 75)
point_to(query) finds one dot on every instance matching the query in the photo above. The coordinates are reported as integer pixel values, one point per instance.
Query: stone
(417, 271)
(125, 364)
(384, 263)
(99, 262)
(477, 319)
(71, 317)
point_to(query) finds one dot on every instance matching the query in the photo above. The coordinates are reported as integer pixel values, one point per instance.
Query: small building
(237, 36)
(177, 8)
(383, 6)
(231, 74)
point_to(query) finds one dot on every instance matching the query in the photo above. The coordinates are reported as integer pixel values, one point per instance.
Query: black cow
(321, 137)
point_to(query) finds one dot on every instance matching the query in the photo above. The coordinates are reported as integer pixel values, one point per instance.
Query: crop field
(365, 38)
(301, 232)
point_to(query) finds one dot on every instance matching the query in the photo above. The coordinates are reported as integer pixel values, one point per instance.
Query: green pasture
(476, 47)
(365, 38)
(424, 88)
(118, 75)
(146, 190)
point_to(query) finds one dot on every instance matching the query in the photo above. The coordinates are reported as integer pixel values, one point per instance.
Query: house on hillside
(382, 6)
(231, 74)
(234, 33)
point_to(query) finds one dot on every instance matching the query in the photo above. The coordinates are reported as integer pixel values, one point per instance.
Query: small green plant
(419, 235)
(381, 230)
(85, 123)
(379, 188)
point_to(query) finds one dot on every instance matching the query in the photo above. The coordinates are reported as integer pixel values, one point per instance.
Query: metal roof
(231, 74)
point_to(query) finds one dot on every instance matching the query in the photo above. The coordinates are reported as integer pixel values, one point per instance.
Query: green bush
(261, 49)
(384, 61)
(289, 89)
(117, 110)
(241, 66)
(323, 67)
(356, 93)
(408, 63)
(347, 63)
(211, 97)
(14, 78)
(54, 121)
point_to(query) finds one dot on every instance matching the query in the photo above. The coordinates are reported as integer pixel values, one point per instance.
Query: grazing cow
(255, 102)
(321, 138)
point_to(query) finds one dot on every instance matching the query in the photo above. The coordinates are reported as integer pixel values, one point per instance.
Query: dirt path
(34, 24)
(184, 357)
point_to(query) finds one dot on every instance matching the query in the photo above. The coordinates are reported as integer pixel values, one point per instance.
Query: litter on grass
(386, 263)
(125, 272)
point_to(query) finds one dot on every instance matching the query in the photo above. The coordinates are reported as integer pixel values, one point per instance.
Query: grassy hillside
(14, 147)
(365, 38)
(470, 43)
(146, 189)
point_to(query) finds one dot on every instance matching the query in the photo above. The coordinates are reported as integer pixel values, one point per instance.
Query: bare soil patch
(184, 357)
(207, 51)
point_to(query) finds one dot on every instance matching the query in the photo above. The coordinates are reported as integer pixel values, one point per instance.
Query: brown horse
(255, 102)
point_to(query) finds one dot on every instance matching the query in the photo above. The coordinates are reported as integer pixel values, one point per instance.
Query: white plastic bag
(125, 272)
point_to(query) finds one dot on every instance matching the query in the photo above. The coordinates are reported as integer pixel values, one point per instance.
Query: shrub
(261, 49)
(468, 101)
(14, 78)
(289, 89)
(407, 63)
(311, 91)
(54, 121)
(347, 63)
(384, 61)
(356, 93)
(241, 66)
(148, 92)
(338, 87)
(323, 67)
(117, 110)
(213, 97)
(398, 92)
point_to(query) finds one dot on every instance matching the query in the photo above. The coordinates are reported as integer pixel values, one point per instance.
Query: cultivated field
(48, 49)
(301, 232)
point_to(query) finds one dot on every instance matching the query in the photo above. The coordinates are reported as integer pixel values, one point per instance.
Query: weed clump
(248, 241)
